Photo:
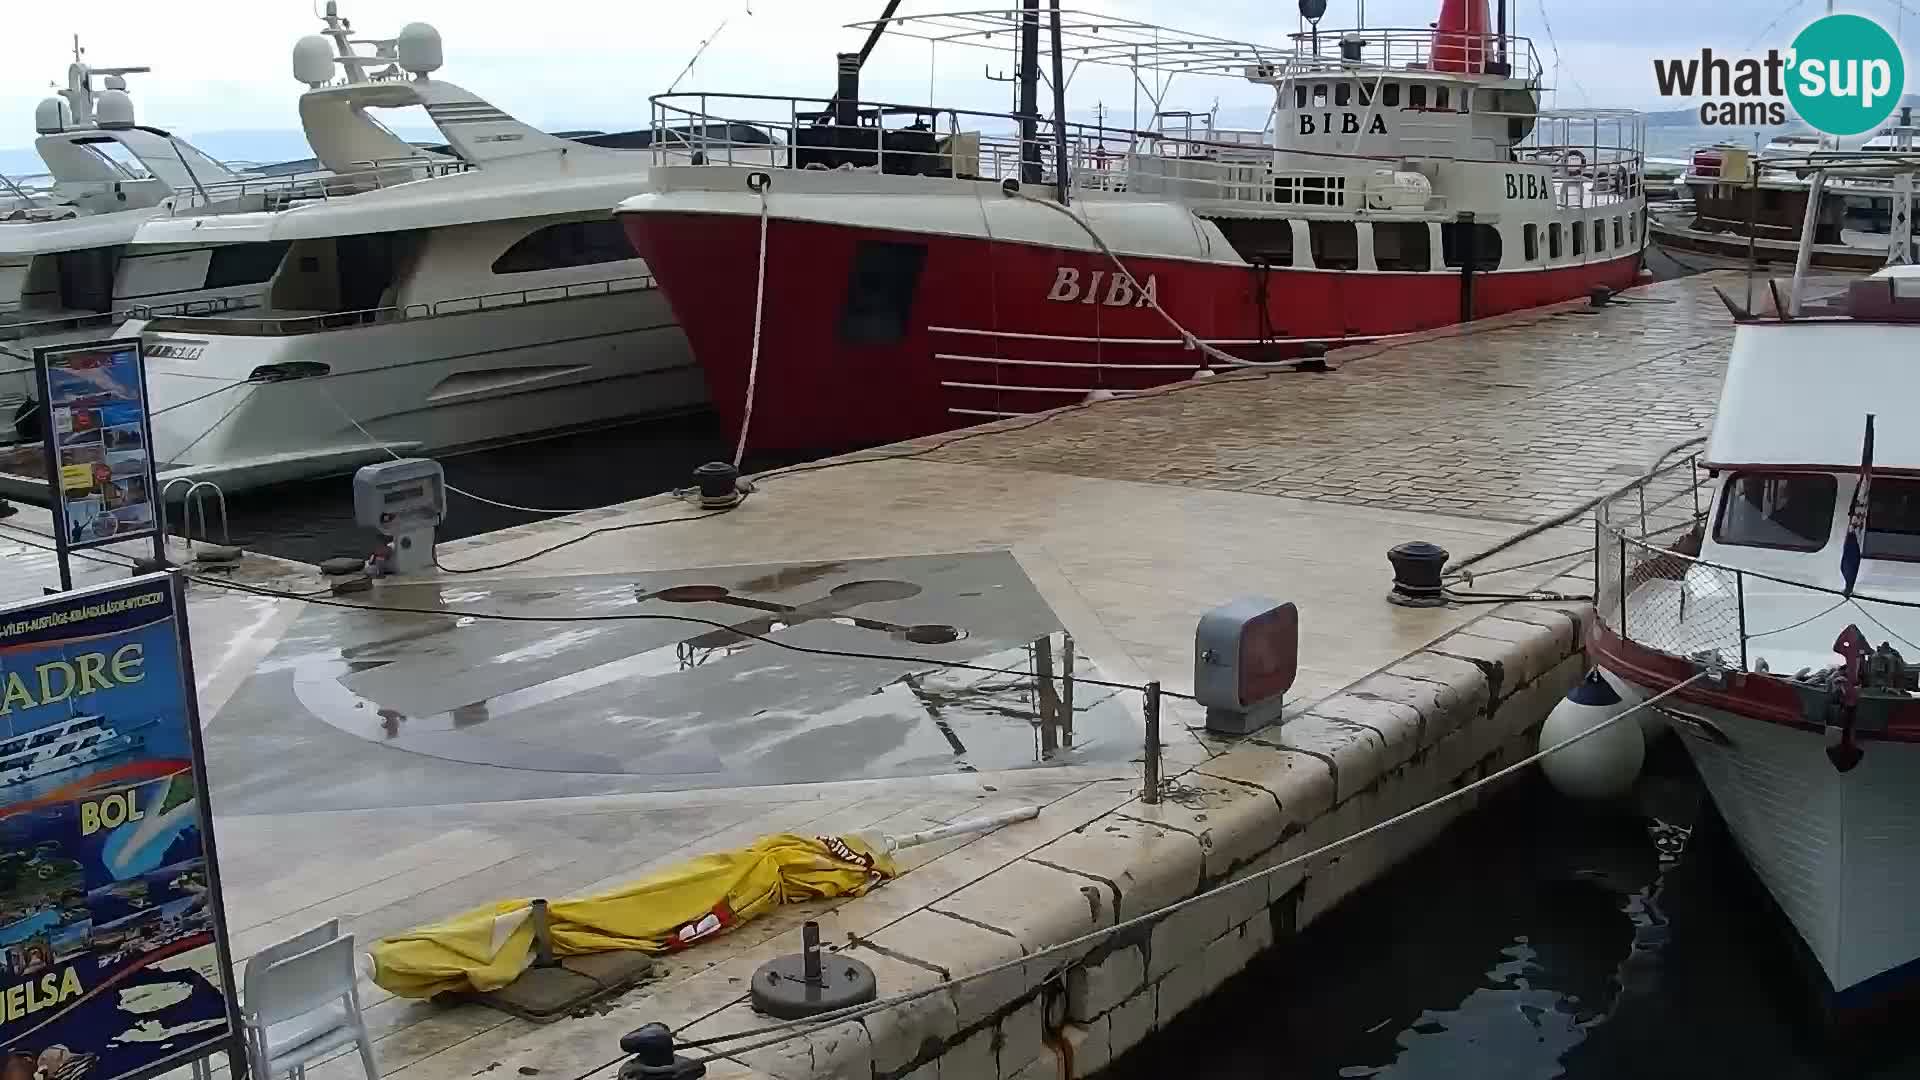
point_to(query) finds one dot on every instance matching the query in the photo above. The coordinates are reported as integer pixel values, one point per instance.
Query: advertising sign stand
(114, 952)
(101, 480)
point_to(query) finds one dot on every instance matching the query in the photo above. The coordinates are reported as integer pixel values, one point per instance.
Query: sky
(223, 65)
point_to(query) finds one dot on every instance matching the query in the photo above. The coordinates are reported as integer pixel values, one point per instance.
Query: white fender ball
(1598, 768)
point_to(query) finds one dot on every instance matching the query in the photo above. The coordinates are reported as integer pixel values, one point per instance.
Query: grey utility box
(406, 500)
(1245, 656)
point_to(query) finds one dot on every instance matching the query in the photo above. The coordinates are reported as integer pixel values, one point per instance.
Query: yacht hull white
(247, 411)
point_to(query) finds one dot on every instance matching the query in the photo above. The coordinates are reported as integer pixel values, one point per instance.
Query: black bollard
(1416, 574)
(653, 1058)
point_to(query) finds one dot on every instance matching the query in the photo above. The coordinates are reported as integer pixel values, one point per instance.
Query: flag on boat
(1857, 515)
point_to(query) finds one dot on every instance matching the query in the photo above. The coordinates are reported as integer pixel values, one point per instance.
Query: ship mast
(1029, 91)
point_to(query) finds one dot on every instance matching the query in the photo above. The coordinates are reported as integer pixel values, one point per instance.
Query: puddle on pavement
(743, 686)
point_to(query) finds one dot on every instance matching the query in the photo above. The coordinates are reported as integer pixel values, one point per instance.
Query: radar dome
(113, 110)
(52, 116)
(313, 60)
(418, 47)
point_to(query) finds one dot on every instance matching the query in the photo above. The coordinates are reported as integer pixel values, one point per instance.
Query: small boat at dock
(1783, 615)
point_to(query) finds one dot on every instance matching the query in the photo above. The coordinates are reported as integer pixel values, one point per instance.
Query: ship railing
(268, 193)
(262, 325)
(1413, 49)
(1654, 590)
(789, 133)
(54, 324)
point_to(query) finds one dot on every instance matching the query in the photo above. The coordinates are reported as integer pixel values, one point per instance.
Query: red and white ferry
(925, 268)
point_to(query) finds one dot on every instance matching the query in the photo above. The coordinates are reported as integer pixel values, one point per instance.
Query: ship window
(1343, 94)
(1320, 95)
(572, 243)
(1619, 236)
(244, 264)
(1417, 96)
(1439, 97)
(1893, 520)
(1599, 235)
(880, 292)
(1366, 94)
(1530, 239)
(1300, 96)
(1553, 240)
(1455, 236)
(1336, 245)
(1390, 95)
(65, 748)
(45, 738)
(90, 740)
(1633, 227)
(13, 748)
(1262, 241)
(1579, 232)
(1793, 511)
(1402, 245)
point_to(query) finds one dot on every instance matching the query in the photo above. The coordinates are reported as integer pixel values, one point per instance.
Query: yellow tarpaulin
(489, 947)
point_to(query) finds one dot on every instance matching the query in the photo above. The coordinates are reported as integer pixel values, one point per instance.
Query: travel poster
(99, 463)
(112, 954)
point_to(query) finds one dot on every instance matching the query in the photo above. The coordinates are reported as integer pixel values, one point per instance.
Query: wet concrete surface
(678, 690)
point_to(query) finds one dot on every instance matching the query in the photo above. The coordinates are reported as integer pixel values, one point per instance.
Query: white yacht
(66, 271)
(496, 302)
(81, 739)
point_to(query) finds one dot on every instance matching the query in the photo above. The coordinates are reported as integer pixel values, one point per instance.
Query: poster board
(114, 961)
(99, 437)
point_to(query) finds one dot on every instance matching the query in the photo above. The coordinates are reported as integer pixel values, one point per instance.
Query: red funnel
(1460, 37)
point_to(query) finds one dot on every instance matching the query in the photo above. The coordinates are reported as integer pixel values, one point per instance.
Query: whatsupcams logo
(1843, 75)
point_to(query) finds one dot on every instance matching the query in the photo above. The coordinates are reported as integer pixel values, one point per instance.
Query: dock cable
(390, 452)
(599, 530)
(794, 1029)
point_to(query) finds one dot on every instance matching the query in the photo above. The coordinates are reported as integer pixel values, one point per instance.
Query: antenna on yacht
(697, 52)
(341, 31)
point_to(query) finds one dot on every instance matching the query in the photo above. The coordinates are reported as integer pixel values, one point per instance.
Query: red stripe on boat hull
(817, 391)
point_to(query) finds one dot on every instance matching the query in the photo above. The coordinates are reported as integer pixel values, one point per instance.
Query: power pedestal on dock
(1246, 655)
(406, 500)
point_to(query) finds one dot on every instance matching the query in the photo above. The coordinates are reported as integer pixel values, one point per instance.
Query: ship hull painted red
(816, 391)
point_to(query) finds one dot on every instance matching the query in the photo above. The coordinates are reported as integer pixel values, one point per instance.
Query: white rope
(361, 428)
(794, 1029)
(1192, 341)
(759, 182)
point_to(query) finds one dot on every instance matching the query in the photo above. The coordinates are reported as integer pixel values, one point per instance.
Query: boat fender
(1010, 187)
(1603, 766)
(1567, 166)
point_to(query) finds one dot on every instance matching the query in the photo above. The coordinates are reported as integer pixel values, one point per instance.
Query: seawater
(1535, 939)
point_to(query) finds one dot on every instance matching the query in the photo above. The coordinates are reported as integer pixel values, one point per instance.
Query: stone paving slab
(1129, 519)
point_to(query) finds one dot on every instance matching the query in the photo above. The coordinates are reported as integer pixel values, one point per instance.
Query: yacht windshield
(120, 158)
(1777, 510)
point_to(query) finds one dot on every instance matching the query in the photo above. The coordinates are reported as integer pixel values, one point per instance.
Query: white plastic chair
(299, 943)
(304, 1006)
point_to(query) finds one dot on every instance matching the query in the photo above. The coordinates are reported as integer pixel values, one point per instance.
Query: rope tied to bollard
(775, 1034)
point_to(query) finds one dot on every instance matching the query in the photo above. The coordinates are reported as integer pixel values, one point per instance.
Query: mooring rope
(794, 1029)
(758, 183)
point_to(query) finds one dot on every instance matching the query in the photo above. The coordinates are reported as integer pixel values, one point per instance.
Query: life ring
(1567, 166)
